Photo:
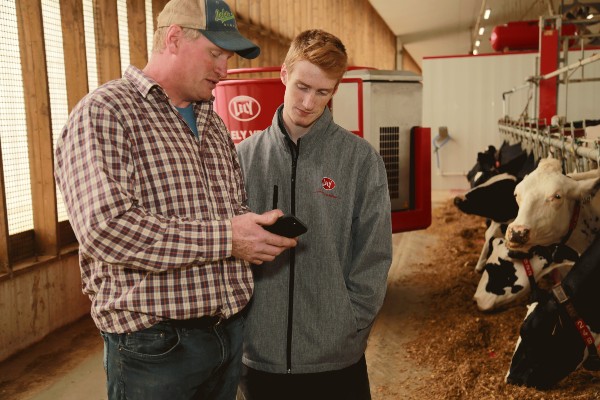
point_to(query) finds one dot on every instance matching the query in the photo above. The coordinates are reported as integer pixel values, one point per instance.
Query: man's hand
(254, 244)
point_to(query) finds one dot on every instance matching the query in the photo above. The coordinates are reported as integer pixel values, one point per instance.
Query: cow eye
(557, 196)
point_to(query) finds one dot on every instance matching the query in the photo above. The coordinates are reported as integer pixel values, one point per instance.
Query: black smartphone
(288, 226)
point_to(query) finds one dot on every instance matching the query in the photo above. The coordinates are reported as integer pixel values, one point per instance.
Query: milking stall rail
(549, 134)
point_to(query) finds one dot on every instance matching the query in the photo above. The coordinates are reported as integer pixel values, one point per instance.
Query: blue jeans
(167, 362)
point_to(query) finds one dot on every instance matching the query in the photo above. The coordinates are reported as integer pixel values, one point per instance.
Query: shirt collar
(144, 84)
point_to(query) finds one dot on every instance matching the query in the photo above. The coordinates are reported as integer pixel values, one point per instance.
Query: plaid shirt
(151, 205)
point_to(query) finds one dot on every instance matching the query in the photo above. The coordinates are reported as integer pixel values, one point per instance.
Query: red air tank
(521, 35)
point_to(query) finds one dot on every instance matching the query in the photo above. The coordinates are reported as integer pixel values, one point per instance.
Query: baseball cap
(214, 19)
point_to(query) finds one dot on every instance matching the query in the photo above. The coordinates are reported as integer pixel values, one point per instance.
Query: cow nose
(518, 234)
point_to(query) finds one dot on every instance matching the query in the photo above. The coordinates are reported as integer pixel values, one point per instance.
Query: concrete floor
(67, 365)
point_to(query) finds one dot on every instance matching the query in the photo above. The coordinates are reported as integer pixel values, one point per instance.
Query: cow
(554, 208)
(493, 199)
(484, 168)
(561, 331)
(504, 279)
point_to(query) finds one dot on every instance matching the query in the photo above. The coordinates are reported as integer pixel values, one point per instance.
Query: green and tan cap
(214, 19)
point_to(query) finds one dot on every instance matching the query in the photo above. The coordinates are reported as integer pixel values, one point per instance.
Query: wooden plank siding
(106, 27)
(71, 14)
(39, 128)
(4, 247)
(136, 23)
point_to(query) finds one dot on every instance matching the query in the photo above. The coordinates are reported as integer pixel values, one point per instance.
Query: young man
(155, 195)
(313, 307)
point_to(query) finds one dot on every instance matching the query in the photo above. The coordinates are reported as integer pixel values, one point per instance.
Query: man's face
(202, 65)
(308, 90)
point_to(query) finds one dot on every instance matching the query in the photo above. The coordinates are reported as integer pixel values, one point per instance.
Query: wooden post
(136, 22)
(71, 14)
(107, 40)
(4, 244)
(39, 127)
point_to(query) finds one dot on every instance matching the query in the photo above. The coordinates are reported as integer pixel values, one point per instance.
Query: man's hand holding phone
(288, 225)
(252, 243)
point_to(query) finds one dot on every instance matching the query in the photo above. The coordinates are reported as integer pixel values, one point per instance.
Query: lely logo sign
(244, 108)
(327, 183)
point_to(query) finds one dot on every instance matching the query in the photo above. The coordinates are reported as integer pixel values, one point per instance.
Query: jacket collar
(315, 135)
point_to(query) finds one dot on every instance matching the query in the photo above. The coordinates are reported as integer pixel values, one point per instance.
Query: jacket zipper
(295, 150)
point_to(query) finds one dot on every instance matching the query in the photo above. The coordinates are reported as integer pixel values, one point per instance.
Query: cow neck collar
(592, 363)
(573, 222)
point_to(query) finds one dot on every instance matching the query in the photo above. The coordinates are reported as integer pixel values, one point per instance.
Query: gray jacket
(314, 305)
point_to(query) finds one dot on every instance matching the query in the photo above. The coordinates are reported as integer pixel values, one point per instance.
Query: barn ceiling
(429, 28)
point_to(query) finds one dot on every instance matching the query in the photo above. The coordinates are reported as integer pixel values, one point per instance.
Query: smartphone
(288, 226)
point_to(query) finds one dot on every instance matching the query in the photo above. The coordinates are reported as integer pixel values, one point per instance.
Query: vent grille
(389, 142)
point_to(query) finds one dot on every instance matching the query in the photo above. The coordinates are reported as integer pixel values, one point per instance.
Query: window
(13, 125)
(57, 85)
(26, 225)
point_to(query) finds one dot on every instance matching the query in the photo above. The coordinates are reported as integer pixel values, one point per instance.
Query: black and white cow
(554, 208)
(561, 331)
(504, 279)
(493, 199)
(484, 168)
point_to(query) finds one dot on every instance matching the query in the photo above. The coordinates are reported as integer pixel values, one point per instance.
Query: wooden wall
(43, 293)
(274, 23)
(33, 304)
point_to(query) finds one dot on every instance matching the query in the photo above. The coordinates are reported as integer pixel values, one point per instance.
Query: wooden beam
(4, 246)
(136, 22)
(71, 14)
(157, 7)
(107, 40)
(39, 127)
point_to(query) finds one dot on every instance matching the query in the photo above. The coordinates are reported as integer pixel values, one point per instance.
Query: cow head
(485, 167)
(493, 199)
(550, 346)
(546, 200)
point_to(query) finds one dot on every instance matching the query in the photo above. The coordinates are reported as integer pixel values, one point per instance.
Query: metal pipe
(578, 64)
(564, 144)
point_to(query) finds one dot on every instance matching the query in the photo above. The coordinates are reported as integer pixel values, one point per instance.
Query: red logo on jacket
(327, 183)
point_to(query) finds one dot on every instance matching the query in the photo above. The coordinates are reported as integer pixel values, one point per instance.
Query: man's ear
(284, 74)
(173, 38)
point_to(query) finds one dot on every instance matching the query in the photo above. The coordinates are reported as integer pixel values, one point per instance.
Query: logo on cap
(244, 108)
(327, 183)
(223, 15)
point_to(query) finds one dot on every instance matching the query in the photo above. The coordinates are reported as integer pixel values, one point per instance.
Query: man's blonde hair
(320, 48)
(160, 34)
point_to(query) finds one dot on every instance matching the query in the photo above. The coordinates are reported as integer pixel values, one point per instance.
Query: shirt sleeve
(372, 242)
(95, 170)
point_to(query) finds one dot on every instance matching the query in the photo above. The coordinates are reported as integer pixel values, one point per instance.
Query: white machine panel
(391, 107)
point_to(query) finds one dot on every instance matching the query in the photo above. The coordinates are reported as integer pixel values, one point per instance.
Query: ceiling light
(487, 13)
(481, 30)
(477, 43)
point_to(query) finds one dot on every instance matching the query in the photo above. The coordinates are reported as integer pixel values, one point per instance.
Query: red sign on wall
(247, 106)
